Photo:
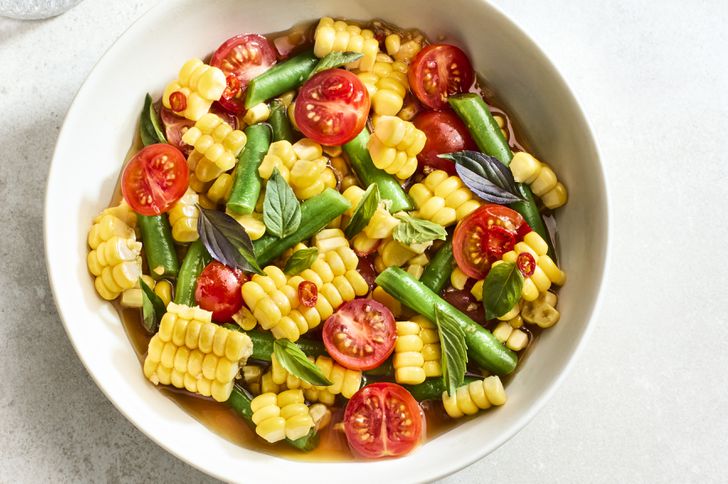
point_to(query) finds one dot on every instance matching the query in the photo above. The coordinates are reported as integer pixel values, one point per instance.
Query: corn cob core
(387, 85)
(201, 84)
(443, 199)
(344, 382)
(183, 217)
(478, 395)
(301, 164)
(546, 271)
(191, 352)
(277, 417)
(540, 177)
(394, 146)
(338, 36)
(216, 146)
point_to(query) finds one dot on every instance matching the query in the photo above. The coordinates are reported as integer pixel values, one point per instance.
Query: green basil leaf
(300, 261)
(281, 210)
(454, 351)
(364, 211)
(226, 240)
(150, 125)
(502, 289)
(294, 360)
(416, 231)
(485, 176)
(335, 59)
(152, 308)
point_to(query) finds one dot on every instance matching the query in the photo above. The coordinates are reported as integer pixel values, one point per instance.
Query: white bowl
(98, 131)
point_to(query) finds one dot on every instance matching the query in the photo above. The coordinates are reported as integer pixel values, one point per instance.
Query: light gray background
(648, 399)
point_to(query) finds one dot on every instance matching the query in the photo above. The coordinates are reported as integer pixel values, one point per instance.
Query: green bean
(158, 246)
(437, 273)
(432, 388)
(263, 344)
(389, 188)
(195, 260)
(280, 78)
(279, 122)
(247, 184)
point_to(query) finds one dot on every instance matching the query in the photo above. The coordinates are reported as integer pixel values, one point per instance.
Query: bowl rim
(453, 465)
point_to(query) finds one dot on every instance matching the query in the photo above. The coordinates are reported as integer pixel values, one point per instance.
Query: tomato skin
(154, 179)
(484, 236)
(439, 71)
(360, 335)
(383, 420)
(332, 107)
(219, 289)
(446, 133)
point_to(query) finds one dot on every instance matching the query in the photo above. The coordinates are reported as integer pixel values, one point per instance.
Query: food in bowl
(330, 240)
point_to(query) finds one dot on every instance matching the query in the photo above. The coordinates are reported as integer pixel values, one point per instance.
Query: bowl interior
(97, 134)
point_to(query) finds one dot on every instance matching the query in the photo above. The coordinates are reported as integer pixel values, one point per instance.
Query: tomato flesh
(383, 420)
(219, 289)
(361, 334)
(154, 179)
(484, 236)
(439, 71)
(446, 133)
(332, 107)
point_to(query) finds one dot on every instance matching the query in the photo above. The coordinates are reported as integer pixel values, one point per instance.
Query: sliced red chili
(308, 293)
(178, 101)
(526, 264)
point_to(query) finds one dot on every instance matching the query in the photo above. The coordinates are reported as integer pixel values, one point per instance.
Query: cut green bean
(316, 213)
(263, 344)
(389, 188)
(247, 184)
(437, 273)
(483, 348)
(432, 388)
(280, 78)
(279, 122)
(487, 135)
(158, 246)
(195, 260)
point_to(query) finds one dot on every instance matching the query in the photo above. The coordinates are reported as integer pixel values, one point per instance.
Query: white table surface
(647, 400)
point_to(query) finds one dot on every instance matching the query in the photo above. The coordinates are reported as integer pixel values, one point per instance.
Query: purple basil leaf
(490, 171)
(484, 188)
(226, 240)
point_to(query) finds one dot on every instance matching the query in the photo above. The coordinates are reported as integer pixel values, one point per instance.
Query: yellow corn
(458, 279)
(216, 147)
(344, 382)
(201, 84)
(542, 311)
(338, 36)
(546, 271)
(163, 289)
(183, 218)
(514, 339)
(387, 85)
(301, 164)
(245, 319)
(252, 223)
(400, 49)
(392, 253)
(219, 190)
(408, 359)
(252, 375)
(191, 352)
(394, 146)
(122, 211)
(257, 114)
(393, 304)
(477, 290)
(478, 395)
(380, 226)
(540, 177)
(443, 199)
(431, 351)
(281, 416)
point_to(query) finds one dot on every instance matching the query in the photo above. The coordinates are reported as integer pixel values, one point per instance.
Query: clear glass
(34, 9)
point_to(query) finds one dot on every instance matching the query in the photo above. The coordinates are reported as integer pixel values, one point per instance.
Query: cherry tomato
(219, 289)
(332, 107)
(244, 56)
(446, 133)
(439, 71)
(383, 419)
(308, 293)
(154, 179)
(361, 334)
(484, 236)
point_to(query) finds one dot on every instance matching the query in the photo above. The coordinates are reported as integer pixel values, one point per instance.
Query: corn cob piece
(546, 271)
(408, 359)
(401, 49)
(281, 416)
(257, 114)
(540, 177)
(387, 85)
(200, 84)
(216, 145)
(344, 382)
(478, 395)
(431, 350)
(392, 253)
(394, 146)
(132, 298)
(251, 222)
(443, 199)
(301, 164)
(191, 352)
(380, 226)
(219, 191)
(183, 218)
(338, 36)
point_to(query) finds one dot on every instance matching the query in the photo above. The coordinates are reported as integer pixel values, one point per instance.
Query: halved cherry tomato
(360, 335)
(308, 293)
(446, 133)
(383, 420)
(484, 236)
(244, 56)
(439, 71)
(155, 179)
(219, 290)
(175, 126)
(332, 107)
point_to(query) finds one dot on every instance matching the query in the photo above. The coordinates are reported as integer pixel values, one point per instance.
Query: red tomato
(439, 71)
(308, 293)
(245, 56)
(446, 133)
(332, 107)
(367, 270)
(155, 179)
(219, 289)
(361, 334)
(383, 419)
(484, 236)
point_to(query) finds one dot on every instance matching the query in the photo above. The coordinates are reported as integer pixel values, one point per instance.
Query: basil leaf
(150, 125)
(416, 231)
(454, 351)
(281, 210)
(152, 308)
(485, 176)
(226, 240)
(502, 289)
(335, 59)
(364, 211)
(300, 261)
(294, 360)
